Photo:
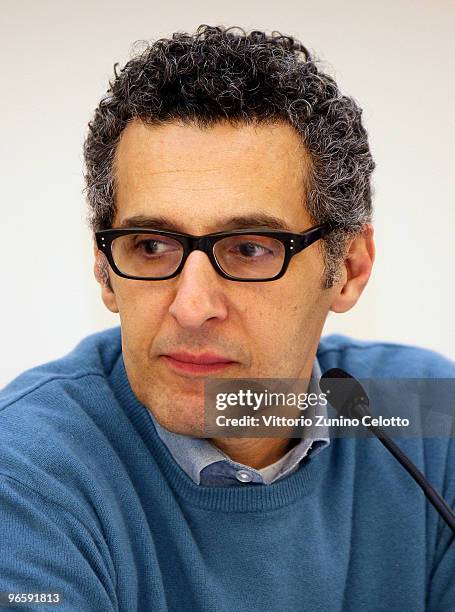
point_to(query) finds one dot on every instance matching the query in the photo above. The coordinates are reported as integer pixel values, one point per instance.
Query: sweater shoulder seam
(371, 345)
(55, 503)
(43, 383)
(44, 497)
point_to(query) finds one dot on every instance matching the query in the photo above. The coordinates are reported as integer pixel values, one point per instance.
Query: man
(110, 494)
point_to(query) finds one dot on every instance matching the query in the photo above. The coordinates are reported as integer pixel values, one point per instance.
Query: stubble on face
(197, 180)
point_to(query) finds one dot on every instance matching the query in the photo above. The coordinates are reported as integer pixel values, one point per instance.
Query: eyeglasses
(246, 255)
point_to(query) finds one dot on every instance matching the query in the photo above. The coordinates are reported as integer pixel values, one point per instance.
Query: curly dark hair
(219, 74)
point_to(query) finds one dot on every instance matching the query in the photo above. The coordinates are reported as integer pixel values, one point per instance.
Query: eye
(155, 247)
(251, 249)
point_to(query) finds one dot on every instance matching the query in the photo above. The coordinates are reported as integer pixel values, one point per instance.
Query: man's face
(202, 181)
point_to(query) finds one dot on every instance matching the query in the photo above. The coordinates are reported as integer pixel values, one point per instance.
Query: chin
(186, 418)
(187, 428)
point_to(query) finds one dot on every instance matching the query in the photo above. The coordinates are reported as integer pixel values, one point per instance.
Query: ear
(101, 272)
(357, 267)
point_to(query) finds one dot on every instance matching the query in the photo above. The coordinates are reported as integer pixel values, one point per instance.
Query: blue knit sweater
(93, 506)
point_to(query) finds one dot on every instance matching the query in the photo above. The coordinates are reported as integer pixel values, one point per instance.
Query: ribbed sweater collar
(252, 498)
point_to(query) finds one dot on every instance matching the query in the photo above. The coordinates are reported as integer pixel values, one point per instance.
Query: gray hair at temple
(225, 74)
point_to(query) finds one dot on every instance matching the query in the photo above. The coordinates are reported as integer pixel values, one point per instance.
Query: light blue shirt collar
(194, 455)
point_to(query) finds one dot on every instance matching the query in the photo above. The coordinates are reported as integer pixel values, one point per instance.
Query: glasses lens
(250, 256)
(146, 255)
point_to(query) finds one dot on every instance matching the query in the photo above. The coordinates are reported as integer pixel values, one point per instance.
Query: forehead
(199, 176)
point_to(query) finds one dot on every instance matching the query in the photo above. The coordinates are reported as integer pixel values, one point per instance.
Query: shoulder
(94, 355)
(53, 418)
(370, 358)
(434, 455)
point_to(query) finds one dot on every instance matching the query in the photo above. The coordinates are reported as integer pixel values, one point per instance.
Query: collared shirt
(207, 465)
(93, 504)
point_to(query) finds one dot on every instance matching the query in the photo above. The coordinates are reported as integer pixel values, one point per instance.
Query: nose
(198, 297)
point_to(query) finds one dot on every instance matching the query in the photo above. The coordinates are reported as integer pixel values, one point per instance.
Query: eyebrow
(230, 223)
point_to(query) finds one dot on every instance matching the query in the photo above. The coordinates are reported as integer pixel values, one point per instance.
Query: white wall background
(395, 57)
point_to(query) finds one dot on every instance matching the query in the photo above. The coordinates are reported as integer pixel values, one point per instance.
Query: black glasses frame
(293, 244)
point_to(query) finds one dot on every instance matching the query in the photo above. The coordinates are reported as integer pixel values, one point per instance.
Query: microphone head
(344, 393)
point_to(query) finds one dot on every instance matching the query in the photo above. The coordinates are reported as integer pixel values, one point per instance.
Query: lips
(205, 363)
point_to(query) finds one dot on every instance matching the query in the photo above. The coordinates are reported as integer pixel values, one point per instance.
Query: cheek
(284, 322)
(142, 309)
(280, 321)
(273, 317)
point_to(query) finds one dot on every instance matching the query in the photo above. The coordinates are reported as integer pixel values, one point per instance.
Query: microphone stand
(356, 405)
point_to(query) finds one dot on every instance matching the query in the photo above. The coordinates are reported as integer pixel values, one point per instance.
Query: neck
(255, 452)
(260, 452)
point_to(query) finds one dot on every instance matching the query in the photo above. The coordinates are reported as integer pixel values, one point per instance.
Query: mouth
(206, 363)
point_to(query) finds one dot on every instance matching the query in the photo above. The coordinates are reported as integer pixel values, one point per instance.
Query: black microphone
(351, 400)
